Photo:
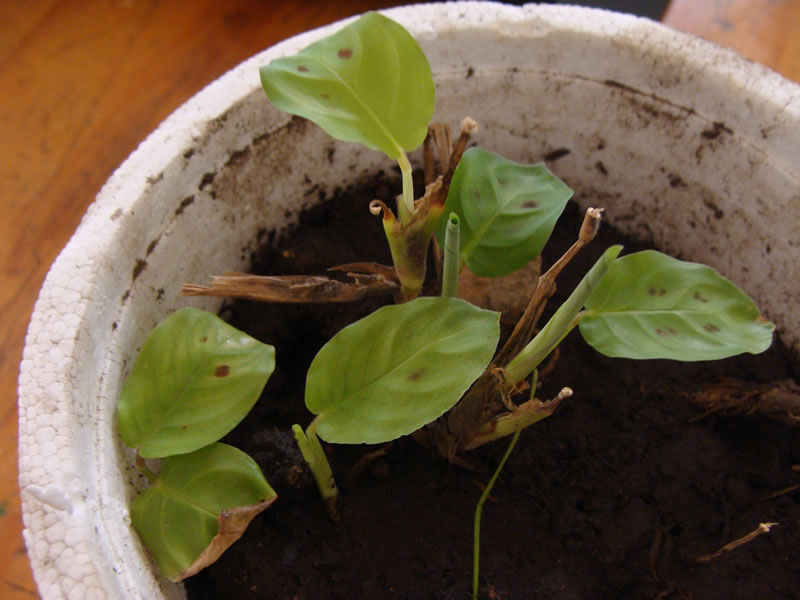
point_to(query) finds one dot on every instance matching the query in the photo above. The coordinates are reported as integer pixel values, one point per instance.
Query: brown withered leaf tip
(232, 524)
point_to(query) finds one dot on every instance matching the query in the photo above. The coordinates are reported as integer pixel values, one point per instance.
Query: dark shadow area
(654, 9)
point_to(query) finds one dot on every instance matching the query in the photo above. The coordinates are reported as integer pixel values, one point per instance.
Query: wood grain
(765, 31)
(84, 82)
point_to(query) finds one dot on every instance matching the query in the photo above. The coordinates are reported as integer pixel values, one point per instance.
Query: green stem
(314, 455)
(476, 545)
(560, 324)
(452, 237)
(405, 208)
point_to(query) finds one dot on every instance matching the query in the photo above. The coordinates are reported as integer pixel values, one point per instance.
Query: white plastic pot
(683, 142)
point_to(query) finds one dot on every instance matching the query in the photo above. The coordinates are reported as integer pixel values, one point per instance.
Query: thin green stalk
(560, 324)
(476, 544)
(314, 455)
(452, 237)
(405, 208)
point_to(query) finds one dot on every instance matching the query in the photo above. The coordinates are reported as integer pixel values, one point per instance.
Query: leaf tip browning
(232, 523)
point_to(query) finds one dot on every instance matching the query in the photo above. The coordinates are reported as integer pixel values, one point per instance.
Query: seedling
(369, 83)
(427, 366)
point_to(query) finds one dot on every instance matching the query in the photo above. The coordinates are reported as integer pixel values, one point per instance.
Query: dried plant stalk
(294, 288)
(762, 528)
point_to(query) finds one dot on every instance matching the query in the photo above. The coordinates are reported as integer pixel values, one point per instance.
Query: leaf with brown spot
(376, 81)
(506, 210)
(650, 305)
(398, 369)
(194, 380)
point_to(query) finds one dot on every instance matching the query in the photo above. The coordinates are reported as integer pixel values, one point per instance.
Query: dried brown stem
(351, 269)
(442, 136)
(783, 492)
(662, 538)
(428, 159)
(778, 400)
(449, 156)
(468, 127)
(762, 528)
(294, 288)
(444, 145)
(545, 288)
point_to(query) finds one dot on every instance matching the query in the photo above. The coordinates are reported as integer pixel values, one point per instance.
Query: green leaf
(650, 305)
(195, 378)
(507, 211)
(399, 368)
(368, 83)
(200, 504)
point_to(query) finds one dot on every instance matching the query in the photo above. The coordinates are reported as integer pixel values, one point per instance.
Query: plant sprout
(428, 366)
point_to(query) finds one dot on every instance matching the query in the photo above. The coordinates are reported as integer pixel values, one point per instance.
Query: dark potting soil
(614, 496)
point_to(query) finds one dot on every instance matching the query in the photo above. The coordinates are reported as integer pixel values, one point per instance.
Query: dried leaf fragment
(232, 524)
(762, 528)
(294, 288)
(778, 400)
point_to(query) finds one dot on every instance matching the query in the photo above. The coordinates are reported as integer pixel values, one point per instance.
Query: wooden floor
(83, 82)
